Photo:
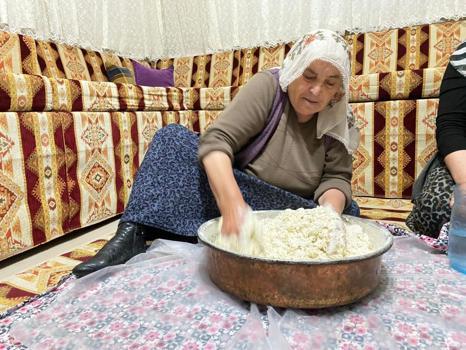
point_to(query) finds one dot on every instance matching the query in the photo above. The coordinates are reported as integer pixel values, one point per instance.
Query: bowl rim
(373, 254)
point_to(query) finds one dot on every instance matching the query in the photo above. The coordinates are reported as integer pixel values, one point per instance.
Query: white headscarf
(337, 120)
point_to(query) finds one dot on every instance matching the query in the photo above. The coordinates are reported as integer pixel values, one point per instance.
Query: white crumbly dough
(302, 234)
(246, 242)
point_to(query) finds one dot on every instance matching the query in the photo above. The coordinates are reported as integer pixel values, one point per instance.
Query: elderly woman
(285, 141)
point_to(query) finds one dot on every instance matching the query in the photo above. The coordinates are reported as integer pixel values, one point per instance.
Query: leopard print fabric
(432, 207)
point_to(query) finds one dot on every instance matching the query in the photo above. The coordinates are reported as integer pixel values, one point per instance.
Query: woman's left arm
(451, 123)
(335, 184)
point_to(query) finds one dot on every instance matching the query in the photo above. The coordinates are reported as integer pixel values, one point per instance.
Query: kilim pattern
(131, 97)
(22, 286)
(29, 58)
(206, 118)
(95, 66)
(444, 38)
(66, 95)
(90, 141)
(175, 99)
(200, 72)
(249, 64)
(397, 139)
(10, 60)
(155, 99)
(17, 53)
(221, 69)
(124, 131)
(99, 96)
(183, 71)
(270, 57)
(191, 98)
(383, 209)
(49, 60)
(147, 125)
(73, 63)
(409, 48)
(32, 180)
(163, 63)
(215, 98)
(399, 85)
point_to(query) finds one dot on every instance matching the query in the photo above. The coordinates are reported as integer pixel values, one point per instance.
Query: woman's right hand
(233, 216)
(226, 191)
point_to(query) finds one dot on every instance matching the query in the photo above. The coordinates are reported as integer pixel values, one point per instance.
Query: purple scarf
(252, 150)
(257, 145)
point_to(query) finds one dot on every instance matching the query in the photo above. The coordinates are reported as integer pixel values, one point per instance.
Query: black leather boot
(128, 241)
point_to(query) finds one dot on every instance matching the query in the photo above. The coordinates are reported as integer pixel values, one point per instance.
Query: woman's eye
(331, 83)
(309, 77)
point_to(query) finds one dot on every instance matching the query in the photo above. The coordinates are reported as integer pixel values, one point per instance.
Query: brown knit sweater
(293, 159)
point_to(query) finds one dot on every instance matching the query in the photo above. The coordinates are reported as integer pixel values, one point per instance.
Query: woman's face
(309, 94)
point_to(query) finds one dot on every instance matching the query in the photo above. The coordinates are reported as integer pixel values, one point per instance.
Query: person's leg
(352, 209)
(171, 195)
(262, 196)
(431, 209)
(128, 241)
(152, 193)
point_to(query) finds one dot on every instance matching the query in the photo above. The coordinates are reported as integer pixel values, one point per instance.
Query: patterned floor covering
(421, 310)
(43, 277)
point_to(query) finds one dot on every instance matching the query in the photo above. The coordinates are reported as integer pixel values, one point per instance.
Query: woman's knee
(174, 134)
(172, 130)
(352, 209)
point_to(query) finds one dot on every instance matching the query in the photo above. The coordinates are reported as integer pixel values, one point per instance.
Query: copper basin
(296, 284)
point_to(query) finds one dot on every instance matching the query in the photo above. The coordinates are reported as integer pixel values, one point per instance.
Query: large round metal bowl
(296, 284)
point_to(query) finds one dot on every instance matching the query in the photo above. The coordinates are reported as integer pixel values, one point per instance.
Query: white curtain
(172, 28)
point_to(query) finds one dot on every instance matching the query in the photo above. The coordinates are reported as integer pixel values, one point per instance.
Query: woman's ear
(338, 96)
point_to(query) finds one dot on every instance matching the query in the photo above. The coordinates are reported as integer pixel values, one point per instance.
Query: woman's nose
(315, 89)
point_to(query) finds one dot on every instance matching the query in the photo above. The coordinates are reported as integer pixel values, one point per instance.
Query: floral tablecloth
(164, 299)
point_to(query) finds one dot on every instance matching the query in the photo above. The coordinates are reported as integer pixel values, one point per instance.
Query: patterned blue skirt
(171, 191)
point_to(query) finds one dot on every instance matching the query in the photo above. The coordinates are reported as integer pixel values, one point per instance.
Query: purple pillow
(153, 77)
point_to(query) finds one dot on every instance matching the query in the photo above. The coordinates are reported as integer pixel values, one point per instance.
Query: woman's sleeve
(338, 170)
(243, 118)
(451, 117)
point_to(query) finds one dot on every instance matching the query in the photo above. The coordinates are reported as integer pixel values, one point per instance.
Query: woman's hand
(333, 198)
(234, 217)
(226, 191)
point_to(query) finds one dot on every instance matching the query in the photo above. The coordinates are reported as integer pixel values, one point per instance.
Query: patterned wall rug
(43, 277)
